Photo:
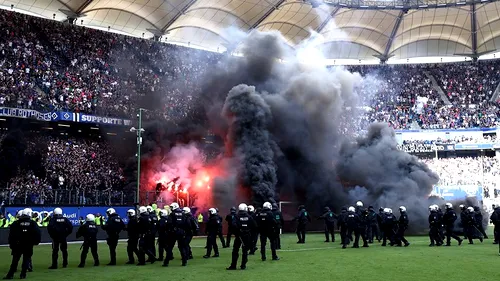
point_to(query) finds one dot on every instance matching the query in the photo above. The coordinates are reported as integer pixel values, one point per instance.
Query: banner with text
(457, 192)
(61, 116)
(74, 213)
(473, 146)
(425, 147)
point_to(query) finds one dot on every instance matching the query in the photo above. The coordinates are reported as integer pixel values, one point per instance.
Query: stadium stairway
(495, 95)
(436, 87)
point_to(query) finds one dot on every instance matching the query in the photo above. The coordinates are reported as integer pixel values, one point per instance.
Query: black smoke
(286, 124)
(248, 135)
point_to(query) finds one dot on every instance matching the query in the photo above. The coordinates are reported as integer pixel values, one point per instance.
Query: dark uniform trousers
(212, 243)
(180, 238)
(92, 244)
(330, 230)
(144, 250)
(263, 240)
(26, 253)
(132, 248)
(112, 243)
(245, 242)
(56, 245)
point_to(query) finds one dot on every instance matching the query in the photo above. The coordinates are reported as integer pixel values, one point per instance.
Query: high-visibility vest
(98, 220)
(46, 221)
(200, 218)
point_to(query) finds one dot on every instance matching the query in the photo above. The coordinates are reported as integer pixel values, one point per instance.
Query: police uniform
(179, 227)
(212, 229)
(59, 229)
(23, 235)
(144, 226)
(267, 224)
(114, 225)
(230, 228)
(303, 219)
(133, 239)
(89, 233)
(243, 225)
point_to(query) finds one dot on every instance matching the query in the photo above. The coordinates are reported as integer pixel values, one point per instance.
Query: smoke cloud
(286, 123)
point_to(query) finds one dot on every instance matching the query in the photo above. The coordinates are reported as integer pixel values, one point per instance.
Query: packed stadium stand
(48, 64)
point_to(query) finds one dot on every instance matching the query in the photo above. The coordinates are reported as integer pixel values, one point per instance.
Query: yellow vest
(200, 218)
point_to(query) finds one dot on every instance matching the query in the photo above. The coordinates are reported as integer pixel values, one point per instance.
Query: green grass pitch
(315, 260)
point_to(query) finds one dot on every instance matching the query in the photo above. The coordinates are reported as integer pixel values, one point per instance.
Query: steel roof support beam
(473, 29)
(326, 21)
(181, 12)
(385, 56)
(268, 13)
(83, 6)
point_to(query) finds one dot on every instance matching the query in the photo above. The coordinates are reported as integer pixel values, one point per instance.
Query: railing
(67, 197)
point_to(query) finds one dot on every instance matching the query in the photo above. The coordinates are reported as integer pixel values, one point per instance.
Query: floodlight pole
(139, 131)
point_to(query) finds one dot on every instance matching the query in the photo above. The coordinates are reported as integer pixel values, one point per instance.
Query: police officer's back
(23, 235)
(132, 228)
(114, 225)
(59, 229)
(267, 227)
(89, 233)
(244, 225)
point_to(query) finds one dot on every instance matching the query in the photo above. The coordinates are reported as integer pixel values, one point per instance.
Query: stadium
(210, 103)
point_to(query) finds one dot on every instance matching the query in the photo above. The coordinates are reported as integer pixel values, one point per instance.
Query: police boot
(231, 267)
(53, 267)
(22, 276)
(9, 276)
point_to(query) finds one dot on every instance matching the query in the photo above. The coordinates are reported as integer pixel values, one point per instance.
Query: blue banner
(457, 192)
(61, 116)
(85, 118)
(473, 146)
(74, 213)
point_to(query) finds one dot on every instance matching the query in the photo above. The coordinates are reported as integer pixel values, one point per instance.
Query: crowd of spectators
(48, 65)
(456, 140)
(473, 171)
(73, 170)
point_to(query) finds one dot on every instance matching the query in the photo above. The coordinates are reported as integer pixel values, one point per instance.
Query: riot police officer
(302, 220)
(154, 230)
(243, 225)
(213, 226)
(145, 235)
(191, 231)
(279, 219)
(133, 236)
(163, 230)
(23, 235)
(255, 232)
(342, 223)
(434, 225)
(267, 228)
(113, 226)
(389, 224)
(449, 219)
(402, 227)
(229, 219)
(329, 218)
(89, 233)
(179, 227)
(59, 228)
(495, 220)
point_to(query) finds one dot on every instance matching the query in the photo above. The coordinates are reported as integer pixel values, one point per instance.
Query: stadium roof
(368, 29)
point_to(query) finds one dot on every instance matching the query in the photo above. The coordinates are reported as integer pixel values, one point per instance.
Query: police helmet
(174, 206)
(142, 210)
(57, 211)
(462, 206)
(243, 207)
(131, 212)
(390, 210)
(267, 205)
(470, 209)
(233, 209)
(448, 205)
(359, 204)
(352, 209)
(212, 211)
(90, 217)
(186, 210)
(251, 208)
(387, 210)
(163, 213)
(27, 212)
(402, 209)
(110, 211)
(149, 208)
